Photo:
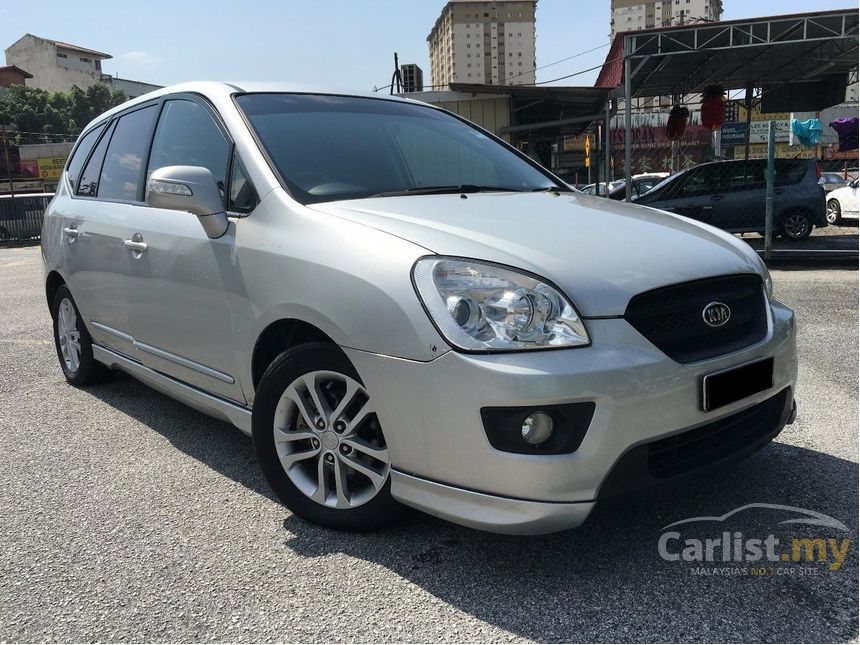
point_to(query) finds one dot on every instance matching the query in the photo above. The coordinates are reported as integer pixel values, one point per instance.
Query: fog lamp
(537, 428)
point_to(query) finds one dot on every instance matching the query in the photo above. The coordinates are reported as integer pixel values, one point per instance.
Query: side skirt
(206, 403)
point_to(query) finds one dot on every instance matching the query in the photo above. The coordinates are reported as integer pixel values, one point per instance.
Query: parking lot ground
(126, 516)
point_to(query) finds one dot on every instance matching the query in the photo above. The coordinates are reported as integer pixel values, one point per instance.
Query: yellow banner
(51, 167)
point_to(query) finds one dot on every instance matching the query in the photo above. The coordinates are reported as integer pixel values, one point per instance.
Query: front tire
(319, 442)
(73, 342)
(834, 212)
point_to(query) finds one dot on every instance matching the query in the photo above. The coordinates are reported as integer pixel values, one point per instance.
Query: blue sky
(345, 44)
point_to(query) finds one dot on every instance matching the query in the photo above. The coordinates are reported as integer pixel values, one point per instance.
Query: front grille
(687, 451)
(671, 317)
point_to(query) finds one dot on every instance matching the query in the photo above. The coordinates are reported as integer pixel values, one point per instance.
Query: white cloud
(142, 59)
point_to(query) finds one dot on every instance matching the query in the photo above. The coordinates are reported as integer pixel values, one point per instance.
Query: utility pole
(8, 165)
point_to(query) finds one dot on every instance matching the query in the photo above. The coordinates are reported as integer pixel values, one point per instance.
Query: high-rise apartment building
(483, 42)
(630, 15)
(412, 77)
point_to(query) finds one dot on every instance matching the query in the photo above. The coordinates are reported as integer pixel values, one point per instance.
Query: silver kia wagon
(402, 309)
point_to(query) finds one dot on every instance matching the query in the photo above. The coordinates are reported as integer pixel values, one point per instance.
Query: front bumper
(443, 463)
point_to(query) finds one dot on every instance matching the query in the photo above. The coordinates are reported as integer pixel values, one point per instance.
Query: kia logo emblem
(716, 314)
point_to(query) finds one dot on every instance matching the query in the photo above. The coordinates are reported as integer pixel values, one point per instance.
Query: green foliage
(32, 110)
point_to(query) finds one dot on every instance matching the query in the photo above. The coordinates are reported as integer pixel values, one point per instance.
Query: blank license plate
(736, 383)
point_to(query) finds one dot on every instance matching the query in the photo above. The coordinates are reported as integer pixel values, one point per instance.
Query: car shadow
(602, 582)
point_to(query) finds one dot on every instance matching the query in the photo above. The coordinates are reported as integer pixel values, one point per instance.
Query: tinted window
(76, 163)
(187, 136)
(335, 147)
(121, 173)
(243, 198)
(89, 183)
(745, 175)
(789, 172)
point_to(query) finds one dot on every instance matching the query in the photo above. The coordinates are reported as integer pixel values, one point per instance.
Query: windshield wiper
(442, 190)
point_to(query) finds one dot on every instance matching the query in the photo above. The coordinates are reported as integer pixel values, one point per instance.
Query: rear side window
(123, 167)
(788, 172)
(188, 136)
(89, 183)
(76, 163)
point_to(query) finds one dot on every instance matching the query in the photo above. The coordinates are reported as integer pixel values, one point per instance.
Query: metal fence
(783, 207)
(21, 217)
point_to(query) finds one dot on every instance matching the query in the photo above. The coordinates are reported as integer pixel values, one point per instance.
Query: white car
(842, 203)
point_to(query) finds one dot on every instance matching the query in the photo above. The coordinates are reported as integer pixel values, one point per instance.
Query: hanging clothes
(846, 130)
(807, 133)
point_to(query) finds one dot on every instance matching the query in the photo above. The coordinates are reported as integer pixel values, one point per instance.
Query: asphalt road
(125, 516)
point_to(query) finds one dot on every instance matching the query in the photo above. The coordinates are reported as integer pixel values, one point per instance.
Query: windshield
(336, 147)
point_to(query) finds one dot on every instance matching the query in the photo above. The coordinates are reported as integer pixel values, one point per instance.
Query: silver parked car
(400, 308)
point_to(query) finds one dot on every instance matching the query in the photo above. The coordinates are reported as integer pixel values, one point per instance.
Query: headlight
(765, 276)
(483, 307)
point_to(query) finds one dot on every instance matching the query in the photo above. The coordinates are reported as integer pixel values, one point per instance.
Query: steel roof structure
(754, 52)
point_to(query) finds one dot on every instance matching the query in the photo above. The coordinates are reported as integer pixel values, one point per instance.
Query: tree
(37, 114)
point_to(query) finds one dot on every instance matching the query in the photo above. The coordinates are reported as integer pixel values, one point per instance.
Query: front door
(179, 281)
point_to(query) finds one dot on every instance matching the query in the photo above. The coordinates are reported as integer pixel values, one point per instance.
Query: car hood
(600, 252)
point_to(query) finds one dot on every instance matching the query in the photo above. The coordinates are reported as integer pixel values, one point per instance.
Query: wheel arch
(53, 281)
(279, 336)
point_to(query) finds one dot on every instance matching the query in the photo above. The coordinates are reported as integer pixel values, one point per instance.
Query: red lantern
(713, 107)
(677, 123)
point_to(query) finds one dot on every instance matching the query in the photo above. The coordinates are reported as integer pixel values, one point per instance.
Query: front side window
(336, 147)
(122, 170)
(188, 136)
(76, 163)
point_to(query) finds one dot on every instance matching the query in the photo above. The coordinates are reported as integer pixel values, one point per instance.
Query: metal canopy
(756, 52)
(565, 110)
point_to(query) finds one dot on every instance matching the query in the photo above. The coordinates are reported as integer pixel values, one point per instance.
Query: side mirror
(191, 189)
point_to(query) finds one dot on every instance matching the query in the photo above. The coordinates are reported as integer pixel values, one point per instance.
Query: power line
(556, 62)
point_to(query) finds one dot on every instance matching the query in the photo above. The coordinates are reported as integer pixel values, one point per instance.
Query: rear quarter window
(76, 163)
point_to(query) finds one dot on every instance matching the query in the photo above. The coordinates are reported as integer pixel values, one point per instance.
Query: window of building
(121, 173)
(60, 55)
(86, 60)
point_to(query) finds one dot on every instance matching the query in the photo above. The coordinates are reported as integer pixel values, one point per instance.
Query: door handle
(716, 198)
(71, 231)
(140, 247)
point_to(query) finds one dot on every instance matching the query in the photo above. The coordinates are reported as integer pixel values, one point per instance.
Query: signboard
(733, 133)
(51, 167)
(587, 151)
(781, 151)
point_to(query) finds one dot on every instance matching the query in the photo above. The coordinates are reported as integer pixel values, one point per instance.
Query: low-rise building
(56, 66)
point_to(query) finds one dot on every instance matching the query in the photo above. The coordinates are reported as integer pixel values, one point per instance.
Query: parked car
(842, 203)
(601, 189)
(830, 181)
(401, 308)
(731, 195)
(642, 183)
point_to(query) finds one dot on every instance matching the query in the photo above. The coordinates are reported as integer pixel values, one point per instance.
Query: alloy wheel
(833, 212)
(328, 440)
(68, 335)
(796, 225)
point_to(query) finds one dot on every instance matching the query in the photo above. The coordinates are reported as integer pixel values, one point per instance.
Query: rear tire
(319, 443)
(73, 342)
(834, 212)
(796, 225)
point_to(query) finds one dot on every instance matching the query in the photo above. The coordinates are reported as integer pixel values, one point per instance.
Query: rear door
(106, 198)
